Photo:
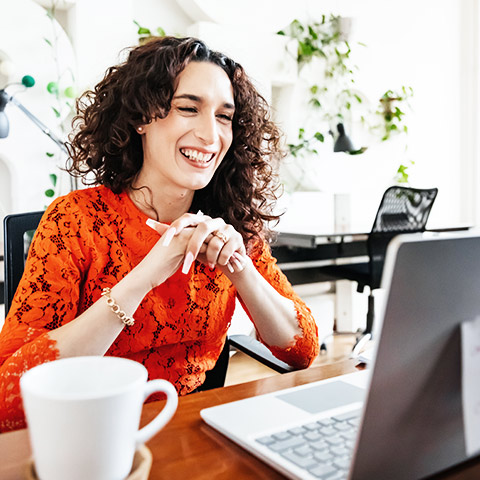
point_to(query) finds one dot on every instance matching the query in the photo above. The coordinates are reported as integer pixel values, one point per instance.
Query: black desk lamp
(343, 142)
(5, 97)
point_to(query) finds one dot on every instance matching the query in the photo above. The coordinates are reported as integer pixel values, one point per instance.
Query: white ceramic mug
(83, 415)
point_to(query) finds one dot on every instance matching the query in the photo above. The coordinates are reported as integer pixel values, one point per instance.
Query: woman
(147, 264)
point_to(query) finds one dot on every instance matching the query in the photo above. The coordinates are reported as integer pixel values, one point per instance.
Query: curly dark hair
(105, 144)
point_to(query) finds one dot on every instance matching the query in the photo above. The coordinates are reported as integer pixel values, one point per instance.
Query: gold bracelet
(126, 320)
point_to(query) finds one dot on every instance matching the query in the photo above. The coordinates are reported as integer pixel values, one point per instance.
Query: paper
(471, 384)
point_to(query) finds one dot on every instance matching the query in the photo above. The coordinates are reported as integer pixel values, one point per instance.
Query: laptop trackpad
(323, 397)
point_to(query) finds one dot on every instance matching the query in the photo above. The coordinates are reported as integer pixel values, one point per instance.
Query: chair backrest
(15, 249)
(402, 210)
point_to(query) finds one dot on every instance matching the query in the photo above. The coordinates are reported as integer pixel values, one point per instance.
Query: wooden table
(188, 449)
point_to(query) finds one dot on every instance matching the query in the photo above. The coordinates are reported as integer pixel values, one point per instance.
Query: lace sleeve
(306, 347)
(41, 350)
(46, 298)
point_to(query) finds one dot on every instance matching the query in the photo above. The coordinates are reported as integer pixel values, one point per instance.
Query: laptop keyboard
(323, 448)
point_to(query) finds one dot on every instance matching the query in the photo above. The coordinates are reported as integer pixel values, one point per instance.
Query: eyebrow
(196, 98)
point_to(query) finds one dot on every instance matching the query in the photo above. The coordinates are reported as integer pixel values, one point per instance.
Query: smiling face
(184, 149)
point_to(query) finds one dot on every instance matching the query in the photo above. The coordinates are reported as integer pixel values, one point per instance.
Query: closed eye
(188, 109)
(228, 118)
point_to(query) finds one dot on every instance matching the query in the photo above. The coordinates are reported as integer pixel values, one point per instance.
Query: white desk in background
(302, 256)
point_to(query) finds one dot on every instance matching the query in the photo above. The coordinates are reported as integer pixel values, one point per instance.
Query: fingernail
(187, 263)
(238, 264)
(151, 223)
(167, 236)
(237, 256)
(200, 213)
(212, 266)
(232, 270)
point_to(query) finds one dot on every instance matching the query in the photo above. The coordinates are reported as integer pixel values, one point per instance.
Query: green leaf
(359, 151)
(312, 33)
(142, 30)
(53, 179)
(56, 112)
(161, 32)
(319, 136)
(49, 154)
(47, 41)
(49, 193)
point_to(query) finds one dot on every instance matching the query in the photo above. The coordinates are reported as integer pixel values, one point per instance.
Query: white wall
(422, 44)
(23, 152)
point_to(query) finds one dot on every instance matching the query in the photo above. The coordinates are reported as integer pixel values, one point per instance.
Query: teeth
(197, 156)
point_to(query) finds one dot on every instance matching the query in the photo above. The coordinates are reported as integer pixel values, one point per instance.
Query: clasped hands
(212, 241)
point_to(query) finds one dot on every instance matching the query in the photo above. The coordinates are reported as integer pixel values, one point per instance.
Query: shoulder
(80, 208)
(88, 201)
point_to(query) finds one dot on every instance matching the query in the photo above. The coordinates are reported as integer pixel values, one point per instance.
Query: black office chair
(18, 232)
(401, 210)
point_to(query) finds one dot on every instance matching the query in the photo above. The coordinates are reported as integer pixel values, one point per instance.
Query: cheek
(227, 139)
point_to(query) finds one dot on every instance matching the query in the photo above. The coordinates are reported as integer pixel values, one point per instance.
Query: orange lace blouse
(90, 239)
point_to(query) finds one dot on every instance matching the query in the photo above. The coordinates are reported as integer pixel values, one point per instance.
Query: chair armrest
(259, 352)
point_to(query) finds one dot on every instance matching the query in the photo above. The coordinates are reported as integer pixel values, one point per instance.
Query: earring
(139, 129)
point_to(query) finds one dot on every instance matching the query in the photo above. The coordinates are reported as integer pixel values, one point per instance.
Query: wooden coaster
(142, 463)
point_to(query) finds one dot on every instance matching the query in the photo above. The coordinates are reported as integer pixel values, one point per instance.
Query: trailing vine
(62, 92)
(335, 99)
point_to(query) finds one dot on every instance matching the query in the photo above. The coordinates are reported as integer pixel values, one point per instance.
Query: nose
(207, 129)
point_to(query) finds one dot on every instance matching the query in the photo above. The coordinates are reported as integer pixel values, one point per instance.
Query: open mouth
(196, 156)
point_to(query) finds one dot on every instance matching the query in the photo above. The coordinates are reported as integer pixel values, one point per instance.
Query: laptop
(400, 419)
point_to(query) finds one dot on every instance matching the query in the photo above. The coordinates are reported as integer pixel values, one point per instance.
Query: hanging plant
(335, 99)
(62, 92)
(145, 34)
(392, 109)
(305, 145)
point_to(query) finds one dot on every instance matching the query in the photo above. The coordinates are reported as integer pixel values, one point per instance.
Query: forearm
(274, 315)
(94, 331)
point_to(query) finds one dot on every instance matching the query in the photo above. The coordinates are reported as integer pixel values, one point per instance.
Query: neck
(162, 204)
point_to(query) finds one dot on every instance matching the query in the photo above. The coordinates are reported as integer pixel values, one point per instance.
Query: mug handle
(149, 430)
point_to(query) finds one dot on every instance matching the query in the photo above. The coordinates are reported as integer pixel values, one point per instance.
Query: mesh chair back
(16, 245)
(402, 210)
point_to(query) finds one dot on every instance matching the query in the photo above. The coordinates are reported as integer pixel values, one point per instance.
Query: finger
(161, 228)
(189, 220)
(223, 244)
(187, 263)
(185, 221)
(168, 235)
(238, 261)
(203, 234)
